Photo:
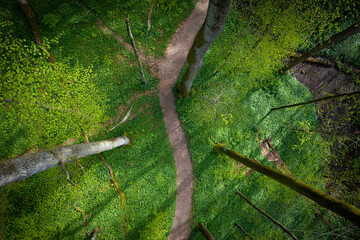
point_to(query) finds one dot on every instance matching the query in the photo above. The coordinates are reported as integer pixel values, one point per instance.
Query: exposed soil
(339, 119)
(168, 70)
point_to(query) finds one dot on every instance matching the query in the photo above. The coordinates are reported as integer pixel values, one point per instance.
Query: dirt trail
(168, 70)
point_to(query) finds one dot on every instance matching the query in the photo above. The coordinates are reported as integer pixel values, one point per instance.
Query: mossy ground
(45, 206)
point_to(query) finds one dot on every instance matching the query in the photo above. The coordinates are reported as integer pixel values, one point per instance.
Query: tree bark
(22, 167)
(30, 16)
(266, 215)
(201, 228)
(211, 28)
(317, 100)
(135, 50)
(338, 206)
(334, 39)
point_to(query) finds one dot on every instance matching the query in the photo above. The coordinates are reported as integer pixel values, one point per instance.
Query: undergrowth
(45, 206)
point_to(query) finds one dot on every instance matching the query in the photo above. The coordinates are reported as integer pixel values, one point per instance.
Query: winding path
(168, 69)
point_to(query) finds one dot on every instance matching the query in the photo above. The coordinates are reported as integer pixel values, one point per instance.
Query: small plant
(51, 20)
(156, 228)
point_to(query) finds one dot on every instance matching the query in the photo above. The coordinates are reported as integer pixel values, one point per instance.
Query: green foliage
(227, 108)
(51, 20)
(156, 228)
(57, 97)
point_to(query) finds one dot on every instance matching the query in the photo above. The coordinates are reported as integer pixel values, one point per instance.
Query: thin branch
(266, 215)
(149, 16)
(113, 179)
(317, 100)
(67, 174)
(243, 230)
(122, 120)
(135, 50)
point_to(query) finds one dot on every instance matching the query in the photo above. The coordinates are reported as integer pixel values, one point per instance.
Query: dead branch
(266, 215)
(149, 16)
(130, 164)
(95, 232)
(135, 50)
(312, 60)
(243, 230)
(67, 174)
(122, 120)
(272, 155)
(113, 179)
(201, 228)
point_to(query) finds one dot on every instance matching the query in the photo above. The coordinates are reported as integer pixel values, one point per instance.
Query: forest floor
(335, 79)
(168, 70)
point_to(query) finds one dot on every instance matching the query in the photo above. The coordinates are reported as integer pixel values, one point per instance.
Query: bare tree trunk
(334, 39)
(201, 228)
(266, 215)
(30, 16)
(338, 206)
(317, 100)
(22, 167)
(211, 28)
(135, 50)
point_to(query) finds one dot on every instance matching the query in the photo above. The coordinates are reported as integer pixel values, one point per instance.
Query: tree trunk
(135, 50)
(338, 206)
(334, 39)
(274, 156)
(266, 215)
(25, 166)
(201, 228)
(30, 16)
(211, 28)
(317, 100)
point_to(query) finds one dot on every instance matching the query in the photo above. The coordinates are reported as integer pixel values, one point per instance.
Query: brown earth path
(168, 69)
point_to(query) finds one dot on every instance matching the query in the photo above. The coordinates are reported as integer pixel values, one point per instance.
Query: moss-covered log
(338, 206)
(355, 28)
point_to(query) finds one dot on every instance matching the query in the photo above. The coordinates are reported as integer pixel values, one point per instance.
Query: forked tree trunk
(19, 168)
(211, 28)
(338, 206)
(355, 28)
